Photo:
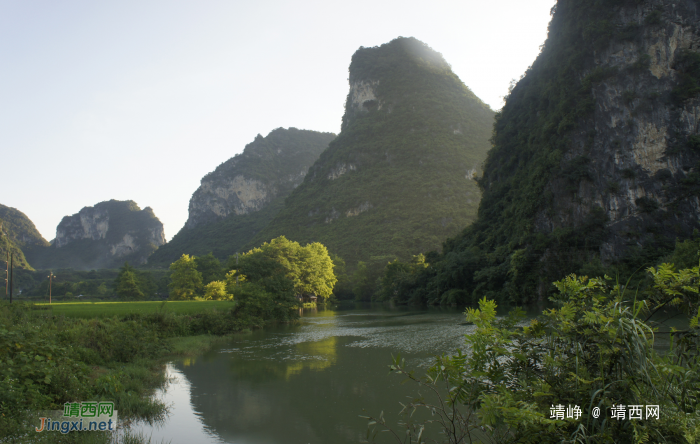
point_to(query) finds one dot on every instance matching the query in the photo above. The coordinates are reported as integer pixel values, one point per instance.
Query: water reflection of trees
(313, 356)
(267, 388)
(263, 399)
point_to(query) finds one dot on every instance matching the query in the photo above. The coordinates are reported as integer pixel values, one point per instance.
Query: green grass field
(108, 309)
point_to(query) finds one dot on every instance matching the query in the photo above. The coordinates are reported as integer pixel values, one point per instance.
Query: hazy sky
(140, 99)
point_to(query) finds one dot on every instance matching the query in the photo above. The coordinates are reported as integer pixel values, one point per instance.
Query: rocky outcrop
(90, 223)
(641, 161)
(103, 236)
(236, 200)
(268, 168)
(595, 165)
(216, 199)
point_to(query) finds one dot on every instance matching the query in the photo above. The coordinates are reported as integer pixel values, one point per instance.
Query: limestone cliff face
(103, 236)
(90, 223)
(240, 197)
(596, 153)
(268, 168)
(218, 196)
(638, 144)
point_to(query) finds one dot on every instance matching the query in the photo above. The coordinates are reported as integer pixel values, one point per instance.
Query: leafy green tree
(343, 288)
(130, 284)
(128, 288)
(264, 290)
(687, 253)
(595, 350)
(366, 278)
(233, 279)
(309, 268)
(147, 283)
(399, 277)
(210, 268)
(315, 271)
(126, 285)
(185, 280)
(216, 291)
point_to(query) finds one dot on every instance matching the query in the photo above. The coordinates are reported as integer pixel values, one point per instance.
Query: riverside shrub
(595, 350)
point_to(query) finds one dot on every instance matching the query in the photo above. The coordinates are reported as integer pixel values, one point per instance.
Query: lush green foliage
(94, 285)
(132, 285)
(394, 182)
(90, 310)
(17, 232)
(50, 355)
(399, 277)
(596, 350)
(127, 288)
(209, 267)
(17, 255)
(685, 255)
(343, 288)
(309, 269)
(216, 291)
(222, 238)
(20, 228)
(186, 281)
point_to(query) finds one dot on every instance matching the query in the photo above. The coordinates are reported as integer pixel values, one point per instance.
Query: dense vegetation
(397, 180)
(108, 309)
(275, 276)
(279, 161)
(222, 237)
(597, 350)
(17, 232)
(47, 360)
(309, 269)
(76, 285)
(510, 252)
(16, 255)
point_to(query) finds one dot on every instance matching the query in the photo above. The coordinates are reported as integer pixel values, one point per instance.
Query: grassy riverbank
(47, 359)
(109, 309)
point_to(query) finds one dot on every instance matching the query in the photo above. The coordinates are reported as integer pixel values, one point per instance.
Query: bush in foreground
(596, 350)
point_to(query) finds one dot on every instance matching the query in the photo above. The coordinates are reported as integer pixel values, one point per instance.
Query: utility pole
(7, 274)
(50, 276)
(236, 269)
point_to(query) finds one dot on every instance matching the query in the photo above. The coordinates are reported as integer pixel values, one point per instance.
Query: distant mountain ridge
(102, 236)
(243, 194)
(399, 178)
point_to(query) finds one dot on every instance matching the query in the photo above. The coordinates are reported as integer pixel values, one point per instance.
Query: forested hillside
(399, 178)
(18, 233)
(242, 195)
(595, 159)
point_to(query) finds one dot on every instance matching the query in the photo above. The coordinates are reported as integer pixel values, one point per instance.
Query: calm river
(306, 383)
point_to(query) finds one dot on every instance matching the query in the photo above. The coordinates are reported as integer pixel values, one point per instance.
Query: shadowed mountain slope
(399, 178)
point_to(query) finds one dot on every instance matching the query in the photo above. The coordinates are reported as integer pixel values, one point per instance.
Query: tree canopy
(130, 284)
(309, 268)
(186, 281)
